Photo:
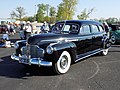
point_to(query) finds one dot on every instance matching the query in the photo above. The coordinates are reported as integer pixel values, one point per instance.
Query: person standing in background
(22, 28)
(45, 27)
(11, 29)
(28, 30)
(8, 28)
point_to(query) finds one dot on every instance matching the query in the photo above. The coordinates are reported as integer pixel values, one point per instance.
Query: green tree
(47, 18)
(18, 13)
(52, 11)
(30, 18)
(66, 9)
(85, 14)
(41, 12)
(60, 13)
(52, 14)
(112, 20)
(102, 19)
(47, 7)
(25, 18)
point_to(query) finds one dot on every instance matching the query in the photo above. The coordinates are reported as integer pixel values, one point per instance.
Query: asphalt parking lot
(94, 73)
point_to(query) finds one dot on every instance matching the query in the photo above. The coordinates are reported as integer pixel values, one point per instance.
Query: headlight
(16, 45)
(49, 49)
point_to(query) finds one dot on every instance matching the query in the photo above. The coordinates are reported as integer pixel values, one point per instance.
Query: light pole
(47, 8)
(35, 13)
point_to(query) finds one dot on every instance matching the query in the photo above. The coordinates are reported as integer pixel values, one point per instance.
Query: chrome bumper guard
(35, 61)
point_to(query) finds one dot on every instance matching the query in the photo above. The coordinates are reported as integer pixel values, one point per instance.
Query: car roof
(81, 21)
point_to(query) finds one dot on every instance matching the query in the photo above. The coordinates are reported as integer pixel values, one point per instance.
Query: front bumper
(34, 61)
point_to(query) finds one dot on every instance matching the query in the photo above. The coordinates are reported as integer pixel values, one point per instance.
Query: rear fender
(106, 42)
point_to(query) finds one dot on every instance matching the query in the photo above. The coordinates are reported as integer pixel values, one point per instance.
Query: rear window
(85, 29)
(94, 29)
(101, 29)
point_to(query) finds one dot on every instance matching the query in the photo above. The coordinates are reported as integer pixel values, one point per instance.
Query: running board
(85, 56)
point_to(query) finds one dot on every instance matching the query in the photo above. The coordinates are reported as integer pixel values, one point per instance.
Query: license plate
(24, 59)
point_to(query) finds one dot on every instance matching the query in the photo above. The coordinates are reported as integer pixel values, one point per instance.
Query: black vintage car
(68, 42)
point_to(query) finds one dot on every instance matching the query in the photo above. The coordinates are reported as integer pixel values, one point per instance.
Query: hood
(47, 37)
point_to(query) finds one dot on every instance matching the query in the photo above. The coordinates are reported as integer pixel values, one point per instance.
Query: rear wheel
(63, 63)
(104, 52)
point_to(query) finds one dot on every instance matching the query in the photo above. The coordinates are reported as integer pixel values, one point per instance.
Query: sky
(102, 8)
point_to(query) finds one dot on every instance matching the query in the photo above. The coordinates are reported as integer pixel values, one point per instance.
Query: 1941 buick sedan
(68, 42)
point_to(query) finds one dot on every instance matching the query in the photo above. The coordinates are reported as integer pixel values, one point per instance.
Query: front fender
(58, 48)
(62, 46)
(21, 42)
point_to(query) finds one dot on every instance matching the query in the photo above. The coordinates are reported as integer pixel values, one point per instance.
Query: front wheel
(104, 52)
(63, 63)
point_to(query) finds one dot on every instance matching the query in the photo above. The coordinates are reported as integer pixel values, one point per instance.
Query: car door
(79, 41)
(86, 37)
(97, 36)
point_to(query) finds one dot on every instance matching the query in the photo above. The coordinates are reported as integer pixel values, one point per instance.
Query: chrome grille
(33, 51)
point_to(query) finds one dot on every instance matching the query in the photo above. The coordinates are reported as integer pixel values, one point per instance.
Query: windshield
(66, 28)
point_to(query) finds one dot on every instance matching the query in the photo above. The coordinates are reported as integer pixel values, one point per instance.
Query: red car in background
(3, 29)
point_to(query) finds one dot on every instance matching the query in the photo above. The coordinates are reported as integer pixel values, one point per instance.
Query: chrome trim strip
(68, 39)
(35, 61)
(88, 56)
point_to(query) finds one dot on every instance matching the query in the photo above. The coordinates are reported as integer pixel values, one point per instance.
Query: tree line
(64, 11)
(45, 12)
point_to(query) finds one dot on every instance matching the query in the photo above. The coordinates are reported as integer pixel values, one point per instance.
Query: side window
(74, 29)
(101, 29)
(66, 28)
(94, 29)
(85, 29)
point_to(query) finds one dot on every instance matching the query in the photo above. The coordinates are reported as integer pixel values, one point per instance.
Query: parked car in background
(68, 42)
(36, 27)
(3, 28)
(115, 33)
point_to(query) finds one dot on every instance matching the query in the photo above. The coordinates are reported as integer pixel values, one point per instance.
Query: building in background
(6, 20)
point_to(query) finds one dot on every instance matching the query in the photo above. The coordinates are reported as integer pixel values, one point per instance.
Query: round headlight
(16, 45)
(49, 49)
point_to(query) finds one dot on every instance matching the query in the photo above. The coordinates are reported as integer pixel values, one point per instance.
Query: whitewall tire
(104, 52)
(63, 63)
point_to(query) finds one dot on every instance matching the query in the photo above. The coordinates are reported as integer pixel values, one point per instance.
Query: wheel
(63, 63)
(104, 52)
(113, 40)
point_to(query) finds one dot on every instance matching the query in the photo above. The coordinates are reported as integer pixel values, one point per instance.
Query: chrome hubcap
(113, 39)
(63, 62)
